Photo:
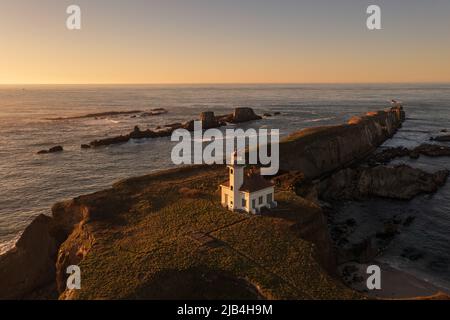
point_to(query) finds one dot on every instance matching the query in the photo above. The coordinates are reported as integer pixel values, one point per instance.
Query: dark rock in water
(389, 232)
(361, 252)
(414, 155)
(209, 120)
(136, 133)
(276, 113)
(412, 254)
(52, 150)
(409, 221)
(388, 154)
(342, 241)
(244, 114)
(396, 220)
(99, 115)
(85, 146)
(109, 141)
(56, 149)
(32, 263)
(444, 130)
(430, 150)
(444, 138)
(267, 114)
(433, 150)
(349, 270)
(400, 182)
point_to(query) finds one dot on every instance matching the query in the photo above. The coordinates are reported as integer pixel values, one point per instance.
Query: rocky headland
(166, 236)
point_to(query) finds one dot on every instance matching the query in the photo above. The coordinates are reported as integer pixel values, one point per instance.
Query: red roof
(253, 182)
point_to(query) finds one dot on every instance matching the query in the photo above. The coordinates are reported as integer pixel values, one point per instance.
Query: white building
(247, 191)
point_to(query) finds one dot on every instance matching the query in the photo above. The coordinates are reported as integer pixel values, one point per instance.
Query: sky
(224, 41)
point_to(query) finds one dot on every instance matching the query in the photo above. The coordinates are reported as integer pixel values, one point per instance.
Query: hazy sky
(224, 41)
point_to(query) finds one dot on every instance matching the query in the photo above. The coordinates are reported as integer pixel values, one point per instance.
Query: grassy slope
(147, 244)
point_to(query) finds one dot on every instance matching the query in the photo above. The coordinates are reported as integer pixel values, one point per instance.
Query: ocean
(30, 184)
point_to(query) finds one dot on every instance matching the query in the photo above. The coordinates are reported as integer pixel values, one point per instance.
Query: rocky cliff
(322, 150)
(166, 236)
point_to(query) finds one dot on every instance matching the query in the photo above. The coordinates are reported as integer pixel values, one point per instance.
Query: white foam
(8, 245)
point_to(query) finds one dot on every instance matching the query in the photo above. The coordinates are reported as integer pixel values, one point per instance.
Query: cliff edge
(166, 236)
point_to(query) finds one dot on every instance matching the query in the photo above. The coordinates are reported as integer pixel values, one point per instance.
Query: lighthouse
(246, 191)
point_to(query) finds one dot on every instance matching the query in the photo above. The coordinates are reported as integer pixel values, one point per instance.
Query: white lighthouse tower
(236, 172)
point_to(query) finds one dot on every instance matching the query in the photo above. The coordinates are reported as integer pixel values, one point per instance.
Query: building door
(226, 199)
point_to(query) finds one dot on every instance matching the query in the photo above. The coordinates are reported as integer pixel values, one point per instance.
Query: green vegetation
(166, 236)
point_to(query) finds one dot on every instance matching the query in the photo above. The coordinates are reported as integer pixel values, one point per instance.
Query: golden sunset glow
(220, 43)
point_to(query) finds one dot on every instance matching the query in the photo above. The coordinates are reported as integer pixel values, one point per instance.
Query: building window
(231, 188)
(231, 171)
(260, 200)
(269, 198)
(244, 203)
(253, 203)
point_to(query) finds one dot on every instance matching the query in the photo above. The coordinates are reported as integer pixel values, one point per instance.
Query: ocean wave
(320, 119)
(8, 245)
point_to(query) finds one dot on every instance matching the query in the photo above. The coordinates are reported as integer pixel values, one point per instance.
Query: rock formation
(209, 120)
(400, 182)
(444, 138)
(244, 115)
(52, 150)
(322, 150)
(31, 264)
(388, 154)
(114, 224)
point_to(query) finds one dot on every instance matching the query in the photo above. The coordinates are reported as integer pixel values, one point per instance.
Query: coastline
(410, 288)
(395, 283)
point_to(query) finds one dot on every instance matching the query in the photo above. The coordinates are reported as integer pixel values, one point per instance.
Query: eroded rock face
(321, 150)
(400, 182)
(31, 264)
